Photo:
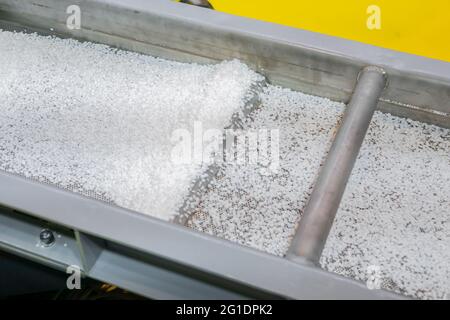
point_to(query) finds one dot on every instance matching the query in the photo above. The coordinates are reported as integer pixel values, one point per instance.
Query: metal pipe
(317, 219)
(199, 3)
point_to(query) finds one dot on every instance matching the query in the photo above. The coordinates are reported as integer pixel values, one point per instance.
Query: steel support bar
(324, 201)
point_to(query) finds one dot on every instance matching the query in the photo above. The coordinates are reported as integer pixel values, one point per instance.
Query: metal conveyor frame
(165, 260)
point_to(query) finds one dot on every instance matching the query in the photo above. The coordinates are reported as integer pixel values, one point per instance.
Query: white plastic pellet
(99, 121)
(250, 207)
(392, 229)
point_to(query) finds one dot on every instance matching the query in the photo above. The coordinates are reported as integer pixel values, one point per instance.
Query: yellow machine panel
(413, 26)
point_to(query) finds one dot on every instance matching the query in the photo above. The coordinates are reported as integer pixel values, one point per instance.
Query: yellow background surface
(414, 26)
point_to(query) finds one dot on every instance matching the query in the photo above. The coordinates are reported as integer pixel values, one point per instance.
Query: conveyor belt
(167, 260)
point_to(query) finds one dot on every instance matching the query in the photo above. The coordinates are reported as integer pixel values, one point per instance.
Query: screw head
(47, 237)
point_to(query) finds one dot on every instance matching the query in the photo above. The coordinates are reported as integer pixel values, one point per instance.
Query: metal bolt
(47, 238)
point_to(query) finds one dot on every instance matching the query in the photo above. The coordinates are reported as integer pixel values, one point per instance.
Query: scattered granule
(394, 220)
(247, 205)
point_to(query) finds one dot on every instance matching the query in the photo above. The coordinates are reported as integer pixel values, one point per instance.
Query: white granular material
(248, 206)
(99, 121)
(394, 221)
